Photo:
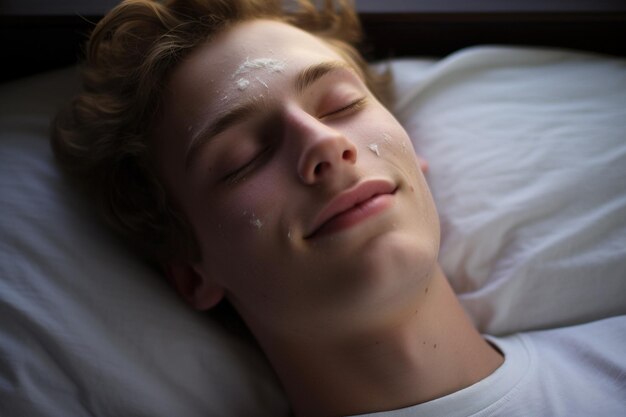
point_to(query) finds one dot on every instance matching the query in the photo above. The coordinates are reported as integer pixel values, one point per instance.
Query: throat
(432, 352)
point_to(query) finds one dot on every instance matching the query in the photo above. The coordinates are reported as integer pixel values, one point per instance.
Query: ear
(198, 291)
(422, 163)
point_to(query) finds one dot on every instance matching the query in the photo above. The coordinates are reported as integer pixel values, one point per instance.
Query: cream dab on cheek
(256, 222)
(387, 139)
(374, 148)
(253, 219)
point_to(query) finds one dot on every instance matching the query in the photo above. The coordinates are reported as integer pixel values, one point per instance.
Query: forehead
(246, 58)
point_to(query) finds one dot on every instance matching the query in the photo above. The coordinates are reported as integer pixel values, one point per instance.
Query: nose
(324, 151)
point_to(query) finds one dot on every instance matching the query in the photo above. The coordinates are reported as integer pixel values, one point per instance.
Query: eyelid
(233, 176)
(353, 105)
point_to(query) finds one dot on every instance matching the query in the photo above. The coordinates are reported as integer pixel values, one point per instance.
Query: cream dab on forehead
(242, 83)
(269, 65)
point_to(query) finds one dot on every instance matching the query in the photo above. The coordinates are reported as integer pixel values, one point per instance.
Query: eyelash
(353, 106)
(236, 175)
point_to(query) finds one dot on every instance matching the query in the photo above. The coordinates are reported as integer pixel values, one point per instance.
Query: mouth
(353, 206)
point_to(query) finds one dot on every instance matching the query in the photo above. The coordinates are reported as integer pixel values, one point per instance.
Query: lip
(353, 206)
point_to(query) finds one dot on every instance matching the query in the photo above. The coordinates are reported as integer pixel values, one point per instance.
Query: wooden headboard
(438, 34)
(40, 36)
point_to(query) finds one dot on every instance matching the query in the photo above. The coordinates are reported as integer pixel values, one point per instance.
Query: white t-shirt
(570, 371)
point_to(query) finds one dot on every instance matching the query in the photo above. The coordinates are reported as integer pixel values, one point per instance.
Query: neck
(434, 350)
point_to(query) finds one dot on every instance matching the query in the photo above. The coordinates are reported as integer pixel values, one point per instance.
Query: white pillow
(527, 153)
(85, 328)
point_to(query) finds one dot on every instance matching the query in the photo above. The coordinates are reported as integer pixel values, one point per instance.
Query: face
(304, 192)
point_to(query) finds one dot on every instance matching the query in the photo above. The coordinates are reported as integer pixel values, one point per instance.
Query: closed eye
(240, 172)
(351, 107)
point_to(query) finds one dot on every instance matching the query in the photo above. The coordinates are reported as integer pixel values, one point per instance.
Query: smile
(352, 207)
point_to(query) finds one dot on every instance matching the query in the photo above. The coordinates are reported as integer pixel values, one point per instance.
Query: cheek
(384, 138)
(242, 242)
(394, 147)
(243, 220)
(250, 211)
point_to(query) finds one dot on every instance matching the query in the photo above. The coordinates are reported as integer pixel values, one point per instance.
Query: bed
(527, 152)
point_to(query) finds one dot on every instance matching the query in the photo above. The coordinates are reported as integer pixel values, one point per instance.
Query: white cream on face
(242, 83)
(253, 219)
(256, 222)
(265, 66)
(374, 148)
(268, 64)
(262, 82)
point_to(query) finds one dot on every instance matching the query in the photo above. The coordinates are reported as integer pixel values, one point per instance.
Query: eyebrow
(304, 79)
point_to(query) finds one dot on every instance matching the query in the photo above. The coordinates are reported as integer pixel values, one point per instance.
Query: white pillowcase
(85, 328)
(527, 153)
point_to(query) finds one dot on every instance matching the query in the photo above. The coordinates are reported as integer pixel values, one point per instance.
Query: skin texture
(358, 319)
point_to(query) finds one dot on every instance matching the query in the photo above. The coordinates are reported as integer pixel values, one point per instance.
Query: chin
(387, 278)
(397, 262)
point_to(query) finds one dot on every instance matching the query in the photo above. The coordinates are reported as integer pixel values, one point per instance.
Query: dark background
(38, 35)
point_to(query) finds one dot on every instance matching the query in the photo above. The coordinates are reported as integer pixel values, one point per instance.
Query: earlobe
(422, 163)
(197, 290)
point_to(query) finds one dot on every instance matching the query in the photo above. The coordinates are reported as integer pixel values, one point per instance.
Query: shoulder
(582, 367)
(605, 337)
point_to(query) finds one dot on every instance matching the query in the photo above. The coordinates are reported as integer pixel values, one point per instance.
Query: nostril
(347, 155)
(321, 167)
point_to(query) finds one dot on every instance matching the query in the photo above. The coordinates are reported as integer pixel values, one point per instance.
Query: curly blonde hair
(101, 138)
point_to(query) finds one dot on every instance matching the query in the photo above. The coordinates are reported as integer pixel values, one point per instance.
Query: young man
(250, 158)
